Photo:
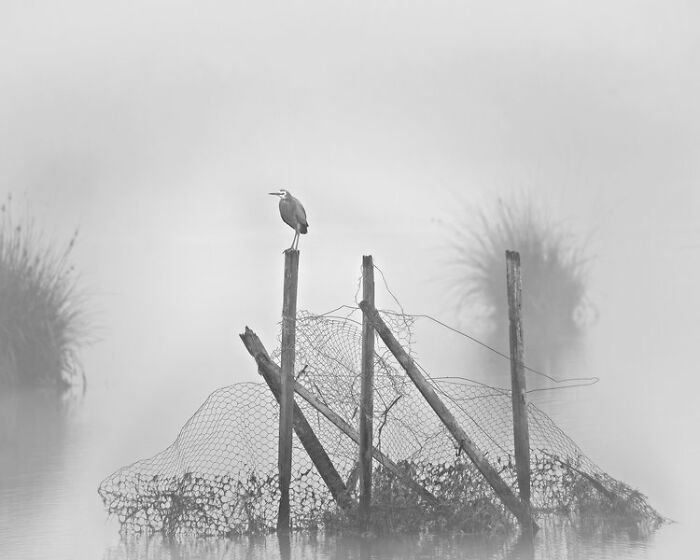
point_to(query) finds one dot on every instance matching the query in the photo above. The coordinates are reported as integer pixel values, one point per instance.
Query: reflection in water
(311, 546)
(33, 434)
(285, 545)
(558, 539)
(561, 538)
(523, 548)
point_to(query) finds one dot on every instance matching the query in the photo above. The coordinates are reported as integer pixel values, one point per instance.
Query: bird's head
(282, 193)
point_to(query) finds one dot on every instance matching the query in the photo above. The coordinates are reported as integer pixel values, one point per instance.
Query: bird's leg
(296, 236)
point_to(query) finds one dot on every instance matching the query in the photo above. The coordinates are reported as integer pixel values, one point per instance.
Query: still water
(638, 423)
(55, 452)
(50, 508)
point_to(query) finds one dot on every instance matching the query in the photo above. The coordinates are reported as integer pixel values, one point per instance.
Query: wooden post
(285, 545)
(272, 371)
(366, 395)
(272, 375)
(502, 490)
(521, 433)
(289, 316)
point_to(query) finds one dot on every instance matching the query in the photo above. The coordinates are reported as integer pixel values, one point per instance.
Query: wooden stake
(366, 395)
(289, 316)
(502, 490)
(272, 375)
(521, 433)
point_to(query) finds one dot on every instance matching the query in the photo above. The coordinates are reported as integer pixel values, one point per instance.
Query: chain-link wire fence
(220, 475)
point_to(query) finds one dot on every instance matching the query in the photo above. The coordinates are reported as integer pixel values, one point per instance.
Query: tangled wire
(219, 477)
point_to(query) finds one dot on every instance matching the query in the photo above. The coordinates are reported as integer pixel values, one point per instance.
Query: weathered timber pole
(477, 457)
(257, 350)
(521, 434)
(289, 317)
(271, 374)
(366, 395)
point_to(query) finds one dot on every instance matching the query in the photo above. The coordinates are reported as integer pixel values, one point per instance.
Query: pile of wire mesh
(220, 477)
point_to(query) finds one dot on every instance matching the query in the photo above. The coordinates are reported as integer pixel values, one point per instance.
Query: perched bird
(293, 214)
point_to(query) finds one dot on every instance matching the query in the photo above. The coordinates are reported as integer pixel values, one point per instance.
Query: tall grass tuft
(41, 319)
(554, 270)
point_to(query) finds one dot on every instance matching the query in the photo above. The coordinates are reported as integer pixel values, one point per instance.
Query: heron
(293, 214)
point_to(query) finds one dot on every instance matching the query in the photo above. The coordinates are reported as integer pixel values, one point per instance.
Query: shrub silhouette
(41, 319)
(555, 305)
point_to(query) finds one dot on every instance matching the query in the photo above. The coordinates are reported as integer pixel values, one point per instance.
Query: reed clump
(554, 267)
(41, 316)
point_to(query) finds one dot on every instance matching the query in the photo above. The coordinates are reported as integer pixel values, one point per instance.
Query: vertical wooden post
(289, 315)
(521, 432)
(366, 395)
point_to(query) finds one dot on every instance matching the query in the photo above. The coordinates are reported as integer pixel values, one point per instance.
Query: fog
(158, 128)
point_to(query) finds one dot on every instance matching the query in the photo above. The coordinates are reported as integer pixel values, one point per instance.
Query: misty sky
(158, 128)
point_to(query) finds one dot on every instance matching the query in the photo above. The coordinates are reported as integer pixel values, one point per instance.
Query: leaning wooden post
(366, 395)
(477, 457)
(289, 316)
(271, 373)
(521, 433)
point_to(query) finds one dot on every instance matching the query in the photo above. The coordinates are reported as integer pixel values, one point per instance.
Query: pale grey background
(158, 127)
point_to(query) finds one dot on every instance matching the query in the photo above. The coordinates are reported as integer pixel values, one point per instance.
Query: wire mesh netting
(220, 477)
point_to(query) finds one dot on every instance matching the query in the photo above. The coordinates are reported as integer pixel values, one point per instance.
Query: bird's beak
(274, 193)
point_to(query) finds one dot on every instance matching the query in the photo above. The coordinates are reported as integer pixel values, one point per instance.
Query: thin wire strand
(591, 380)
(584, 381)
(386, 285)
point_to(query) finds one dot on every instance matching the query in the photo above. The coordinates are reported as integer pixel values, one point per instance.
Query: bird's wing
(301, 214)
(287, 212)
